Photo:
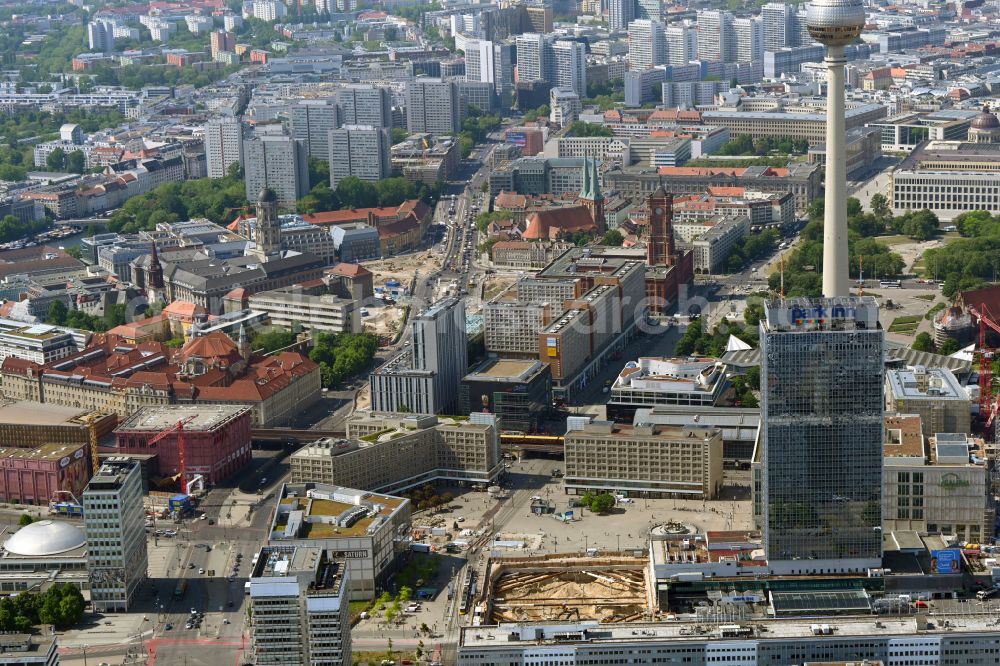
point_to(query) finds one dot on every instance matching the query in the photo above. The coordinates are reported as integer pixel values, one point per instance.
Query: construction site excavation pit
(609, 588)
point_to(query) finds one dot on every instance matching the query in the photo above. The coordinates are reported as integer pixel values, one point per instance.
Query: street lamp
(85, 654)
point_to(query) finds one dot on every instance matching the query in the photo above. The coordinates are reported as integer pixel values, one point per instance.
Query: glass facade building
(822, 421)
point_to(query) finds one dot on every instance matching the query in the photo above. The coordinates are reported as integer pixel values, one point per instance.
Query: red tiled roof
(558, 221)
(348, 270)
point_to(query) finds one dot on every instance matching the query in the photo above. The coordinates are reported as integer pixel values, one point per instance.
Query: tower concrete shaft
(836, 281)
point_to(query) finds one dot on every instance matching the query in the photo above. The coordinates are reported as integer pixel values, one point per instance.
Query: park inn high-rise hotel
(822, 373)
(822, 429)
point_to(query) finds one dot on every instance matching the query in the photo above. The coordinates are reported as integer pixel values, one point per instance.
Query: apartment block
(361, 151)
(315, 310)
(362, 104)
(311, 121)
(644, 460)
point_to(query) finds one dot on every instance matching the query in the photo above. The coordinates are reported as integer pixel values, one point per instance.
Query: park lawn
(926, 297)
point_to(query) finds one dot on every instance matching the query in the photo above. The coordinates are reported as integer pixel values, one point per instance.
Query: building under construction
(609, 587)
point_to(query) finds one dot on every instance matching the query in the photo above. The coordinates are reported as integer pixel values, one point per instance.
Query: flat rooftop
(44, 452)
(903, 436)
(24, 412)
(202, 417)
(322, 505)
(509, 369)
(682, 632)
(924, 384)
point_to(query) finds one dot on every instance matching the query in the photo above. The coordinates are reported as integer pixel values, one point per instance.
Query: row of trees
(754, 246)
(12, 228)
(924, 342)
(744, 144)
(697, 341)
(220, 200)
(61, 605)
(918, 225)
(342, 355)
(60, 315)
(585, 129)
(970, 261)
(804, 266)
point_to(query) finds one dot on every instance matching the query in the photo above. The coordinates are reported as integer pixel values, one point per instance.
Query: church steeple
(243, 343)
(590, 194)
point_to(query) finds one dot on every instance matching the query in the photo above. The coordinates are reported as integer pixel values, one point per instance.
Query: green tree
(880, 206)
(399, 135)
(585, 129)
(752, 377)
(25, 519)
(394, 191)
(76, 162)
(56, 314)
(923, 342)
(270, 341)
(753, 313)
(854, 207)
(602, 503)
(56, 160)
(612, 237)
(319, 172)
(948, 347)
(356, 193)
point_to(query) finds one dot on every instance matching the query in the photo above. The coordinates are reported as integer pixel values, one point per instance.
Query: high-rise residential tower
(311, 121)
(114, 519)
(569, 63)
(223, 145)
(362, 104)
(432, 105)
(778, 21)
(835, 24)
(749, 36)
(620, 14)
(716, 41)
(682, 44)
(361, 151)
(278, 162)
(532, 62)
(822, 430)
(647, 44)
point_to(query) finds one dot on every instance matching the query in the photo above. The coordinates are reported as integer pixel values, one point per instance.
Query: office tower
(539, 18)
(220, 41)
(620, 14)
(532, 64)
(803, 36)
(300, 606)
(749, 35)
(822, 429)
(432, 106)
(835, 24)
(311, 121)
(651, 10)
(716, 41)
(647, 44)
(365, 105)
(503, 71)
(779, 25)
(223, 145)
(425, 378)
(101, 36)
(682, 44)
(277, 162)
(115, 522)
(479, 61)
(361, 151)
(569, 62)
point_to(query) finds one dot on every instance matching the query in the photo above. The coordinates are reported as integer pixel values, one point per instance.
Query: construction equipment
(987, 405)
(181, 453)
(95, 459)
(63, 502)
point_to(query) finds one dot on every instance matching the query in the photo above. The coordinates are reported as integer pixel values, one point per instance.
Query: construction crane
(181, 453)
(95, 459)
(987, 405)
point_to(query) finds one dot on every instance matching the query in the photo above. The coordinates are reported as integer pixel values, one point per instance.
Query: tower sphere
(835, 22)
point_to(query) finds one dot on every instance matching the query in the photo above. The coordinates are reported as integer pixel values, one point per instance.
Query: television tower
(835, 24)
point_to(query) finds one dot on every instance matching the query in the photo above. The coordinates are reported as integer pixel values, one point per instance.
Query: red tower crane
(987, 405)
(179, 429)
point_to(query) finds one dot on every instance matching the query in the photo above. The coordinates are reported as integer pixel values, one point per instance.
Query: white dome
(45, 537)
